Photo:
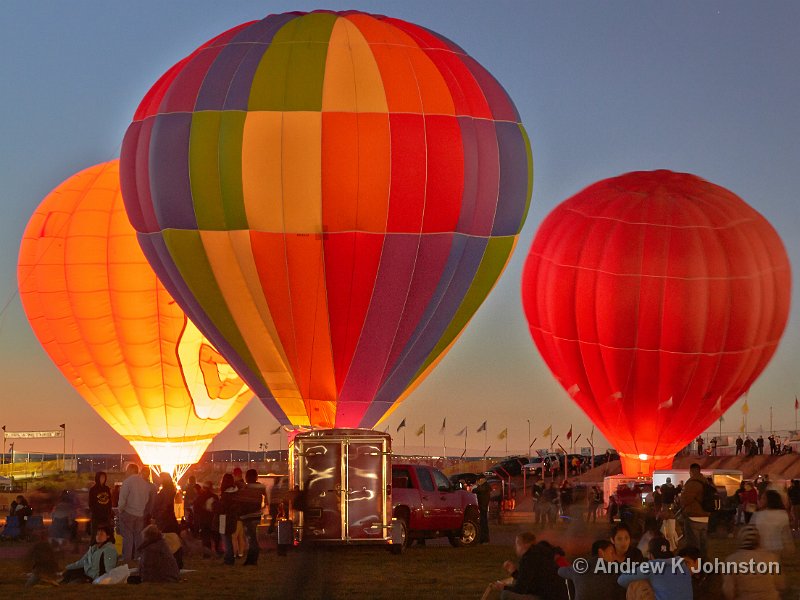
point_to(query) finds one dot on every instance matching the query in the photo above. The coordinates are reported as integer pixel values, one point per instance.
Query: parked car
(511, 466)
(545, 465)
(601, 459)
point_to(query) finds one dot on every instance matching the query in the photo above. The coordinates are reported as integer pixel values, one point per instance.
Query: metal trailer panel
(340, 480)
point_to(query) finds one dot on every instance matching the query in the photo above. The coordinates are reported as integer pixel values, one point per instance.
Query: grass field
(432, 571)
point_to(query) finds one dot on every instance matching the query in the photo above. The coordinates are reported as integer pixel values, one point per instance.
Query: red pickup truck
(426, 505)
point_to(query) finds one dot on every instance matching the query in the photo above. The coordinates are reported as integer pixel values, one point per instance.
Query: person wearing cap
(751, 586)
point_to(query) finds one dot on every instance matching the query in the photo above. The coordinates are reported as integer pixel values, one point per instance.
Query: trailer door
(321, 474)
(365, 500)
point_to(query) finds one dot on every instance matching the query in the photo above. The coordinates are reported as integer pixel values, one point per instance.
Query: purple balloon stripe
(502, 107)
(513, 180)
(169, 171)
(429, 270)
(256, 39)
(392, 286)
(464, 262)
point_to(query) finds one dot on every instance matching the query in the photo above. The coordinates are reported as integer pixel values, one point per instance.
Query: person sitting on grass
(99, 559)
(595, 582)
(156, 562)
(43, 564)
(536, 576)
(670, 581)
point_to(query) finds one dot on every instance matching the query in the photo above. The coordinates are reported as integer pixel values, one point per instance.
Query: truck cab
(426, 504)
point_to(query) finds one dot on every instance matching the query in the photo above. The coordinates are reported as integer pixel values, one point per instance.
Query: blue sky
(603, 88)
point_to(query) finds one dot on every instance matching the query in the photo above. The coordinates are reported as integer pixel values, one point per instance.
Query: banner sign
(27, 435)
(586, 451)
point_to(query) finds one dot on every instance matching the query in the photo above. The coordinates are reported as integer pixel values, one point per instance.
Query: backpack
(709, 501)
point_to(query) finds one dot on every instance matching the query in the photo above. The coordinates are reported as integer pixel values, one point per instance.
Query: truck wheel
(468, 536)
(399, 548)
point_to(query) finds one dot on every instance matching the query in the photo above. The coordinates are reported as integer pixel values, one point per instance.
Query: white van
(727, 479)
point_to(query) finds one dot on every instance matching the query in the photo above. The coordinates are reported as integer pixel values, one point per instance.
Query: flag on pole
(444, 424)
(741, 429)
(548, 431)
(745, 408)
(796, 403)
(462, 432)
(421, 430)
(482, 427)
(503, 434)
(569, 433)
(276, 430)
(244, 431)
(402, 424)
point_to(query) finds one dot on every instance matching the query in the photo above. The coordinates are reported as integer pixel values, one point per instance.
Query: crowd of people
(676, 524)
(153, 540)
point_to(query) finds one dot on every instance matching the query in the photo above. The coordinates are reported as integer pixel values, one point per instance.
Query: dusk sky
(603, 88)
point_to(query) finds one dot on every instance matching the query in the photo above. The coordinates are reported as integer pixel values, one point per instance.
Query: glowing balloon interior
(112, 329)
(656, 299)
(330, 197)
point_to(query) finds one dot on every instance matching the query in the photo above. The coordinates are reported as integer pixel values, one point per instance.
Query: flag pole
(506, 441)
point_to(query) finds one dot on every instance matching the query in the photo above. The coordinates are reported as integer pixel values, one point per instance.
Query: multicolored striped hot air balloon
(114, 332)
(330, 197)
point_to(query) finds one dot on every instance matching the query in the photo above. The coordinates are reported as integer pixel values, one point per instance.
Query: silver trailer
(340, 485)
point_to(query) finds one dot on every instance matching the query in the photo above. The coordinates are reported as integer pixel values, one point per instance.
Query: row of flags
(502, 435)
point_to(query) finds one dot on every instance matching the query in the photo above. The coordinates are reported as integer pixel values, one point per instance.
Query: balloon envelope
(112, 329)
(330, 196)
(656, 299)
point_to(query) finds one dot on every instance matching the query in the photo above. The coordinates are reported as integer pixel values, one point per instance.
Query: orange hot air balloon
(115, 333)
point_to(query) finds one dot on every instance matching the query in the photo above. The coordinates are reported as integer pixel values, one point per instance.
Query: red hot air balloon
(656, 299)
(330, 197)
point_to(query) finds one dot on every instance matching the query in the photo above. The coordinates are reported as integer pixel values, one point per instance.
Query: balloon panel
(330, 197)
(656, 299)
(112, 329)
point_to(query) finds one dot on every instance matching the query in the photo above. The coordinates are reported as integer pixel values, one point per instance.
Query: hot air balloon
(656, 299)
(330, 197)
(115, 333)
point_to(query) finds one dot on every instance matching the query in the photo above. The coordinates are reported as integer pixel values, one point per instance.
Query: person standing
(228, 514)
(739, 444)
(713, 446)
(794, 502)
(771, 440)
(484, 494)
(773, 525)
(691, 499)
(239, 539)
(100, 503)
(252, 499)
(594, 500)
(699, 445)
(134, 499)
(164, 506)
(760, 444)
(203, 508)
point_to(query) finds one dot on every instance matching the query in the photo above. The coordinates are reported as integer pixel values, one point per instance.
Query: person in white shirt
(773, 523)
(134, 497)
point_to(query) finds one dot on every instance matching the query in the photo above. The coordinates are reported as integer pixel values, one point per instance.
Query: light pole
(529, 439)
